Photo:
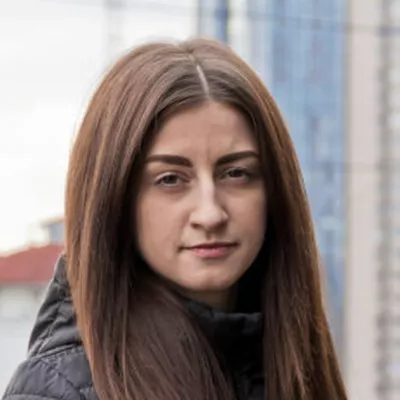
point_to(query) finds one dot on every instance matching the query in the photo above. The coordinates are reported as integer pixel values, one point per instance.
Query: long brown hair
(140, 340)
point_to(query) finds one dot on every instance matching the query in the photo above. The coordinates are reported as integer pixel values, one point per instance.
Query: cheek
(158, 238)
(156, 225)
(252, 213)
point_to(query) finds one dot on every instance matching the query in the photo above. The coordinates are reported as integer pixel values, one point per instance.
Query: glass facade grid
(304, 52)
(213, 19)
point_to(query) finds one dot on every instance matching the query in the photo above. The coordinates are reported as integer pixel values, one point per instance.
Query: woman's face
(201, 206)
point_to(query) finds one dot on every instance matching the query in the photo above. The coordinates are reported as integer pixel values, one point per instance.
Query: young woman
(191, 268)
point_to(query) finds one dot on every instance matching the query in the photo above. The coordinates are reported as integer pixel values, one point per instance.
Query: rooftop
(34, 265)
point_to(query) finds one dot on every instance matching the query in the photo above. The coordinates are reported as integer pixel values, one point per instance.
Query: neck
(221, 300)
(224, 300)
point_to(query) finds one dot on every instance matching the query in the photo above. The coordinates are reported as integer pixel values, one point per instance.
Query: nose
(208, 213)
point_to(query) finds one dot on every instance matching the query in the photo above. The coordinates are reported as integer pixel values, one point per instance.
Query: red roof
(33, 265)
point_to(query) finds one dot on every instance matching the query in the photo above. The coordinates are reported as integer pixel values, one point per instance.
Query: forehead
(212, 128)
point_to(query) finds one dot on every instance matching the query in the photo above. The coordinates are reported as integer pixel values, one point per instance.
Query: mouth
(212, 250)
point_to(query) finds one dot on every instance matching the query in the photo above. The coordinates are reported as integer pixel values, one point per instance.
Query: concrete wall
(363, 202)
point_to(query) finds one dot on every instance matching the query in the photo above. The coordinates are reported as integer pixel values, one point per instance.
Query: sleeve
(35, 379)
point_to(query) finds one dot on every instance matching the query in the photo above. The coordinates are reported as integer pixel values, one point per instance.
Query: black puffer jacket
(57, 368)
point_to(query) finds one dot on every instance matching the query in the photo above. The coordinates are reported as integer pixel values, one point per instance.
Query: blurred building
(389, 256)
(23, 280)
(372, 328)
(302, 60)
(24, 276)
(55, 231)
(213, 19)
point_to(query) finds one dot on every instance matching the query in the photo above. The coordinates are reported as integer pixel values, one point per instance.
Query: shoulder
(59, 374)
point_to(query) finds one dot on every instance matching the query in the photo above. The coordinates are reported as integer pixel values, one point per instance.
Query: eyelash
(161, 181)
(246, 176)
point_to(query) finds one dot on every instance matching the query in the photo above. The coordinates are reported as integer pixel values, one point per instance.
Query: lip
(212, 250)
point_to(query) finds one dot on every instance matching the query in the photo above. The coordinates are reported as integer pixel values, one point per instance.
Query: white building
(372, 350)
(23, 279)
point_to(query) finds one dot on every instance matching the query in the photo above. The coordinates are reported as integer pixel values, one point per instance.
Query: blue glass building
(298, 49)
(213, 19)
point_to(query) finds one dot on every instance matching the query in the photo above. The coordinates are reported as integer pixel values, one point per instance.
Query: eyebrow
(173, 159)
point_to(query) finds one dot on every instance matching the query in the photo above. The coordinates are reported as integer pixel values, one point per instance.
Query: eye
(237, 174)
(169, 180)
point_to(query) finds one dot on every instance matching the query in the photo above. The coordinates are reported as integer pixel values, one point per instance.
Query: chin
(212, 284)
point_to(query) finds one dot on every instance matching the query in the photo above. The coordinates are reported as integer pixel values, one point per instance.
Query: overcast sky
(53, 53)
